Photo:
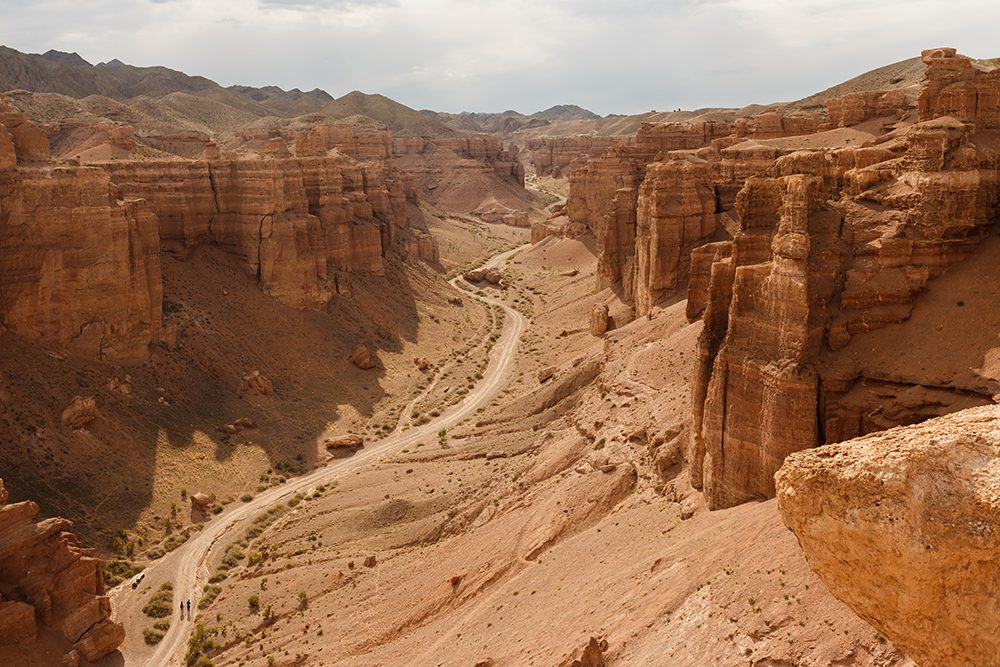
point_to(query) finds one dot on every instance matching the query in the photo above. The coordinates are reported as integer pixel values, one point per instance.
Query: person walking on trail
(182, 607)
(189, 607)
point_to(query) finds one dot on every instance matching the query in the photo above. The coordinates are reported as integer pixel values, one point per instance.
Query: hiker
(189, 607)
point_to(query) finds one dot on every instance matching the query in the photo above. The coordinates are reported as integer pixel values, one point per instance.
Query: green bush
(117, 571)
(211, 592)
(161, 604)
(152, 637)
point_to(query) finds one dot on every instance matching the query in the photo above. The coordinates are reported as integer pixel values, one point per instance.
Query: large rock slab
(903, 526)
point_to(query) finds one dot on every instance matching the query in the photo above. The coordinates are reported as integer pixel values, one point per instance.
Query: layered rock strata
(830, 244)
(44, 569)
(560, 156)
(79, 246)
(955, 88)
(904, 527)
(608, 194)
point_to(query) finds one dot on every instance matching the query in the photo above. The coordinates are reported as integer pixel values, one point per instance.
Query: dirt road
(187, 567)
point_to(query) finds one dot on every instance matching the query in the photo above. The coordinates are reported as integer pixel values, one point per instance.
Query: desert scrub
(152, 637)
(211, 592)
(117, 571)
(161, 603)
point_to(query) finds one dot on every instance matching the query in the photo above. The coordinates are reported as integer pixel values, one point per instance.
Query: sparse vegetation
(161, 604)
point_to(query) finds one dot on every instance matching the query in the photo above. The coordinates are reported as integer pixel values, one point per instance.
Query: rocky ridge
(793, 236)
(47, 580)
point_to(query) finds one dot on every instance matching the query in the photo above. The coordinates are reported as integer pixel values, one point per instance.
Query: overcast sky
(609, 56)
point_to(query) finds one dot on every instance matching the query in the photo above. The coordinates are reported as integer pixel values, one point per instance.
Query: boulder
(201, 500)
(590, 654)
(255, 383)
(599, 319)
(245, 422)
(370, 561)
(362, 358)
(493, 276)
(344, 441)
(475, 276)
(903, 526)
(546, 373)
(80, 412)
(100, 640)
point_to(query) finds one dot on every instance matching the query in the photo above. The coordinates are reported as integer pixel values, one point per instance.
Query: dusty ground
(562, 513)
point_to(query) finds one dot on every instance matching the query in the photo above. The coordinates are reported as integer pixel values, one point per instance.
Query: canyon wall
(80, 245)
(611, 195)
(796, 236)
(47, 580)
(831, 244)
(560, 156)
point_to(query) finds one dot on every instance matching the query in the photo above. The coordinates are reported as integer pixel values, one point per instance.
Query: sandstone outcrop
(605, 195)
(831, 243)
(257, 384)
(559, 156)
(904, 527)
(80, 412)
(361, 358)
(79, 246)
(344, 441)
(676, 214)
(854, 108)
(43, 567)
(955, 88)
(599, 319)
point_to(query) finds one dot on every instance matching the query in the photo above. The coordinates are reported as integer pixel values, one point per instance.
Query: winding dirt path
(187, 567)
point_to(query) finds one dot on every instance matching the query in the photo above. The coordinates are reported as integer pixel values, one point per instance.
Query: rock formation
(79, 413)
(361, 358)
(955, 88)
(349, 441)
(830, 244)
(854, 108)
(560, 156)
(255, 383)
(79, 246)
(47, 579)
(609, 195)
(904, 527)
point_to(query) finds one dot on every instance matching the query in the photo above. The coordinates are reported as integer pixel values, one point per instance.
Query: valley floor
(557, 512)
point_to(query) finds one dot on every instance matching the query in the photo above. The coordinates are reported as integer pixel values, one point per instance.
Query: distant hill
(400, 118)
(69, 74)
(566, 112)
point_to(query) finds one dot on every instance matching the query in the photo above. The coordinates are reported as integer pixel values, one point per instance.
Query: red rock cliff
(47, 579)
(79, 246)
(831, 243)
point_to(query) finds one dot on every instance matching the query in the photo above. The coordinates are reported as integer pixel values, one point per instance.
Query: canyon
(564, 454)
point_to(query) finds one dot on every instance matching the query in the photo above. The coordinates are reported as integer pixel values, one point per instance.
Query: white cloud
(452, 55)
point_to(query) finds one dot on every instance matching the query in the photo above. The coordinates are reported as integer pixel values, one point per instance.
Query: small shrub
(254, 602)
(211, 592)
(152, 637)
(161, 603)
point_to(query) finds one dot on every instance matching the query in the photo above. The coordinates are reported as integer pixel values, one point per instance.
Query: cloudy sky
(610, 56)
